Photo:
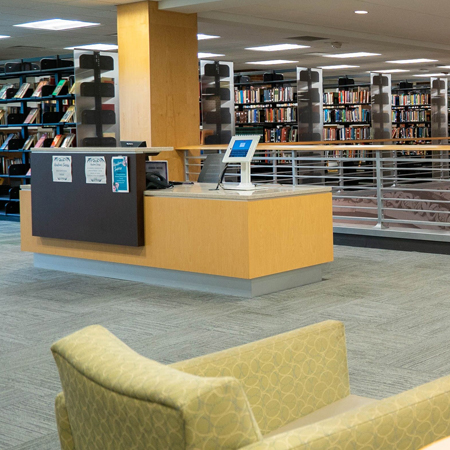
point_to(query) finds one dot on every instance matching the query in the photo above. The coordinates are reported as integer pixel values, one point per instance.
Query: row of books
(281, 134)
(415, 115)
(267, 115)
(410, 99)
(37, 89)
(411, 132)
(35, 113)
(342, 97)
(37, 140)
(345, 133)
(260, 95)
(359, 154)
(358, 114)
(6, 161)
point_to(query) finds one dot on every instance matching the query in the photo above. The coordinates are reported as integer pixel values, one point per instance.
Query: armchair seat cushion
(341, 406)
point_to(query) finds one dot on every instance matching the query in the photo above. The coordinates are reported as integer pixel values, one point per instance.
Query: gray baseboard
(183, 280)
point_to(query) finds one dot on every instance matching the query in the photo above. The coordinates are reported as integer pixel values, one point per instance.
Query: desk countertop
(208, 191)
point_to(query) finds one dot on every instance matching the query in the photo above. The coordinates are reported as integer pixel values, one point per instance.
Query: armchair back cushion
(117, 399)
(287, 376)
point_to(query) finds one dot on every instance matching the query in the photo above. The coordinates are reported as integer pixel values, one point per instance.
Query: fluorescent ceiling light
(277, 47)
(342, 66)
(426, 75)
(4, 36)
(202, 37)
(100, 47)
(352, 55)
(444, 67)
(388, 71)
(272, 62)
(57, 24)
(359, 11)
(208, 55)
(412, 61)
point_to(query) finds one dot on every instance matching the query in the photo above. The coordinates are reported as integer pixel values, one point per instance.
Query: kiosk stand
(241, 150)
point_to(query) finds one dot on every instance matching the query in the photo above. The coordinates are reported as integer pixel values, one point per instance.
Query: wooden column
(158, 79)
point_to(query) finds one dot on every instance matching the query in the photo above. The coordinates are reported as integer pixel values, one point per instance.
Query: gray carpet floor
(395, 305)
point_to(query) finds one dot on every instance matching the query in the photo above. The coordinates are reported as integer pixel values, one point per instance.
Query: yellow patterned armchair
(286, 392)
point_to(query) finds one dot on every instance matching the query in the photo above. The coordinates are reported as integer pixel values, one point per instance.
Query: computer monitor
(241, 149)
(133, 144)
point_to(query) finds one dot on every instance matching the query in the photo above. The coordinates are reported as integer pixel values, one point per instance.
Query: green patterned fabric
(287, 376)
(62, 421)
(119, 400)
(407, 421)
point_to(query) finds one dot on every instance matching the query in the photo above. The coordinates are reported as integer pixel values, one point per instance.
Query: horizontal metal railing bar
(357, 207)
(363, 219)
(393, 188)
(415, 210)
(417, 222)
(425, 180)
(351, 197)
(418, 200)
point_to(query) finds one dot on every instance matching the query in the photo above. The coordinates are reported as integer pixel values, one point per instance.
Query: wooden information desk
(195, 237)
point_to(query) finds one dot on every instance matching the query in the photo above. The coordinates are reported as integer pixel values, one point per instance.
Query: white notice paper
(62, 169)
(95, 168)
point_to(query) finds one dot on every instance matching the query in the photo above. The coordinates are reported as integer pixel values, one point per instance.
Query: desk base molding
(183, 280)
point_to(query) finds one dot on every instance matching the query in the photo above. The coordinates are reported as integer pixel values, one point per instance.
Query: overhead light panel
(412, 61)
(208, 55)
(444, 67)
(277, 47)
(388, 71)
(4, 36)
(57, 24)
(360, 11)
(99, 47)
(203, 37)
(351, 55)
(272, 62)
(341, 66)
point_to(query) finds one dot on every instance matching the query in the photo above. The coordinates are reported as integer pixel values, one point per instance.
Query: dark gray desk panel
(87, 212)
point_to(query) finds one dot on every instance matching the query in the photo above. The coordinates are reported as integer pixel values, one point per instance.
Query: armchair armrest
(287, 376)
(62, 421)
(409, 420)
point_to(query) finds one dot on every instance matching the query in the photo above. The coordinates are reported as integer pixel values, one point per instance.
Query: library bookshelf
(20, 129)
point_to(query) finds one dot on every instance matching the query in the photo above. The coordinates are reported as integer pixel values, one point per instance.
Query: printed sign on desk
(95, 169)
(62, 169)
(120, 181)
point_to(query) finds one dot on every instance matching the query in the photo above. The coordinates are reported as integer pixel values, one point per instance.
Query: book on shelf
(22, 90)
(68, 114)
(59, 87)
(28, 174)
(72, 88)
(38, 91)
(2, 116)
(29, 142)
(6, 161)
(68, 140)
(41, 140)
(57, 140)
(32, 115)
(3, 90)
(5, 143)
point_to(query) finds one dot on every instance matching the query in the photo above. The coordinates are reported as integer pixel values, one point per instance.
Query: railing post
(341, 171)
(294, 169)
(379, 184)
(186, 165)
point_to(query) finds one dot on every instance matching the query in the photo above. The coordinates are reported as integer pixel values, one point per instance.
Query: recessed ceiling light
(426, 75)
(272, 62)
(202, 37)
(342, 66)
(351, 55)
(4, 36)
(412, 61)
(360, 11)
(388, 71)
(57, 24)
(100, 47)
(277, 47)
(208, 55)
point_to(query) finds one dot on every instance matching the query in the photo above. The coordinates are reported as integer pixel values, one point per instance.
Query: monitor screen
(240, 148)
(133, 144)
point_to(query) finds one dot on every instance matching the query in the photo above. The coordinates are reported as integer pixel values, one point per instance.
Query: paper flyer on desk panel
(62, 169)
(95, 169)
(120, 180)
